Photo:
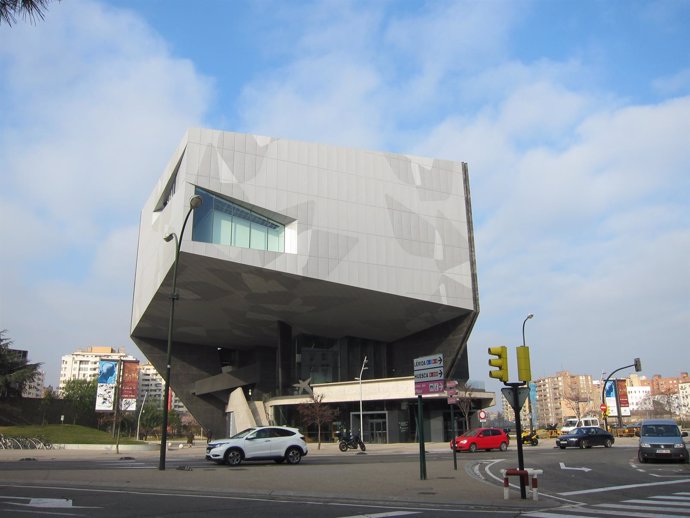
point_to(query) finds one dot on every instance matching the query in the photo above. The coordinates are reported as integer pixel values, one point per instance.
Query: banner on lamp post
(107, 382)
(129, 386)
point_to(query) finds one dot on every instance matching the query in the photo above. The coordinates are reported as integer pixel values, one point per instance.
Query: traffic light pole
(518, 433)
(638, 367)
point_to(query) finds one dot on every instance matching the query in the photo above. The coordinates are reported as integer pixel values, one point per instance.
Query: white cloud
(678, 83)
(93, 103)
(580, 198)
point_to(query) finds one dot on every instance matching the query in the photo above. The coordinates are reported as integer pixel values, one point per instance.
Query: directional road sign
(428, 374)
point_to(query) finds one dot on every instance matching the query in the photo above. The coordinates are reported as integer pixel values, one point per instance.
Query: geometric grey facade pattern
(378, 257)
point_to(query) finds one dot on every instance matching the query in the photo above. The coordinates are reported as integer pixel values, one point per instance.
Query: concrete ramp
(238, 405)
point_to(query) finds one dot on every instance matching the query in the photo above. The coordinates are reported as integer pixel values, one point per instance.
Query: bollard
(525, 474)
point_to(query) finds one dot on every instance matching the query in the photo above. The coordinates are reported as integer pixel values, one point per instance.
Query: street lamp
(361, 415)
(637, 364)
(141, 411)
(194, 203)
(529, 393)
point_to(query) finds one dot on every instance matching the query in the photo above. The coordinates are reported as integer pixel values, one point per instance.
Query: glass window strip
(227, 223)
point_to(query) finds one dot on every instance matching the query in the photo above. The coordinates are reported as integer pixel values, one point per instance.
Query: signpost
(452, 392)
(428, 379)
(519, 395)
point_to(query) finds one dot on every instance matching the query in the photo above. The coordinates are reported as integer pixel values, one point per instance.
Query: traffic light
(638, 365)
(524, 368)
(501, 361)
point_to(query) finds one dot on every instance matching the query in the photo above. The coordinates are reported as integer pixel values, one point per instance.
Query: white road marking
(618, 488)
(563, 466)
(653, 507)
(637, 507)
(381, 515)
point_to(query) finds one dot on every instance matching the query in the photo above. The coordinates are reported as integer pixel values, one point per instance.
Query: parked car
(278, 443)
(661, 439)
(585, 437)
(481, 439)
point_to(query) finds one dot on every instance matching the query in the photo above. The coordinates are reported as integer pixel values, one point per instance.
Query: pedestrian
(209, 436)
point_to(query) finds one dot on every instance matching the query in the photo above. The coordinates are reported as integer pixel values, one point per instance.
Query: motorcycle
(349, 442)
(530, 438)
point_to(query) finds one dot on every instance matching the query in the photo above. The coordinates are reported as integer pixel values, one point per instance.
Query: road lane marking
(563, 466)
(665, 502)
(637, 507)
(381, 515)
(546, 514)
(618, 488)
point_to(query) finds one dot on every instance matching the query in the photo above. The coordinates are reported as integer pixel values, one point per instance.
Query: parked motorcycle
(347, 441)
(530, 438)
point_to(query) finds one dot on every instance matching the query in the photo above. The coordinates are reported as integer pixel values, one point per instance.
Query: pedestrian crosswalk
(662, 506)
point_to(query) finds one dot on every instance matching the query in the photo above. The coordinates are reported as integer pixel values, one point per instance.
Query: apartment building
(509, 413)
(152, 384)
(565, 395)
(36, 387)
(83, 364)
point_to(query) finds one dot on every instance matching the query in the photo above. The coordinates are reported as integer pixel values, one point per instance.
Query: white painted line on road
(634, 514)
(563, 466)
(639, 507)
(618, 488)
(547, 514)
(651, 499)
(677, 496)
(381, 515)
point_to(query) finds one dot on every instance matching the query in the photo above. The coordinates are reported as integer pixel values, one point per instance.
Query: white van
(573, 422)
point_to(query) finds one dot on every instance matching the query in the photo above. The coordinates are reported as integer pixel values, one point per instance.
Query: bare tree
(577, 400)
(666, 403)
(317, 413)
(31, 9)
(464, 398)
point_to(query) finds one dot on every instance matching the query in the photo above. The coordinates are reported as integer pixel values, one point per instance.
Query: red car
(481, 439)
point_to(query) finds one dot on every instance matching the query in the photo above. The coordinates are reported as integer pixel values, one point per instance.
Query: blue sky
(574, 118)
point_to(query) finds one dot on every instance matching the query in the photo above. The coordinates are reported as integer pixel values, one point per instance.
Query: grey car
(661, 439)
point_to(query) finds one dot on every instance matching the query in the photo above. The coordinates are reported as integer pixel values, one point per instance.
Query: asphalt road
(385, 482)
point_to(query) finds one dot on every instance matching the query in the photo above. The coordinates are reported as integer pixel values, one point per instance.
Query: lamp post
(529, 393)
(361, 415)
(194, 203)
(141, 411)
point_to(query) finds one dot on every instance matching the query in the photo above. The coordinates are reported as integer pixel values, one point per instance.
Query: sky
(573, 117)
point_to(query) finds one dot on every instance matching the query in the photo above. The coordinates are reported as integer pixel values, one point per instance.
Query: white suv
(278, 443)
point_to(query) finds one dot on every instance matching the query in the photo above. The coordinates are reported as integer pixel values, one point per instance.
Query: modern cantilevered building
(303, 261)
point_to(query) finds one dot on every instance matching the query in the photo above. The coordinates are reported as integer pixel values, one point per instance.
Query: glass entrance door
(377, 433)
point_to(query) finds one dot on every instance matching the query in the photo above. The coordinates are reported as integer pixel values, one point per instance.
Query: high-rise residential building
(33, 389)
(640, 398)
(565, 395)
(83, 364)
(152, 384)
(36, 387)
(667, 385)
(509, 413)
